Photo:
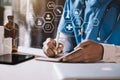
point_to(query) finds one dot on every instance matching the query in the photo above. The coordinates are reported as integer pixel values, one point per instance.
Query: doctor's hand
(50, 49)
(90, 52)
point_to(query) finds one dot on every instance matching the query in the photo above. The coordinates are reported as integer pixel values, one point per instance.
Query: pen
(57, 42)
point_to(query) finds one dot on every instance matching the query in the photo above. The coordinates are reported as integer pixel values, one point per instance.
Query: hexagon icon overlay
(48, 16)
(78, 21)
(68, 16)
(58, 10)
(48, 28)
(51, 5)
(39, 22)
(68, 27)
(76, 12)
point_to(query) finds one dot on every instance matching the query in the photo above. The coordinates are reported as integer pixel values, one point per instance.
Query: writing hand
(49, 47)
(91, 52)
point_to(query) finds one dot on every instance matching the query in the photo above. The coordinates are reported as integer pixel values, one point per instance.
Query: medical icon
(58, 10)
(39, 22)
(77, 22)
(48, 28)
(95, 22)
(48, 16)
(67, 15)
(68, 27)
(76, 12)
(51, 5)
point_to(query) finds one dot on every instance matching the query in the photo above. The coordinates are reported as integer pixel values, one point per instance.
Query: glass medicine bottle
(12, 30)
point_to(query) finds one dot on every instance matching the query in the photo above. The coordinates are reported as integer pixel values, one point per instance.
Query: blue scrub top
(95, 20)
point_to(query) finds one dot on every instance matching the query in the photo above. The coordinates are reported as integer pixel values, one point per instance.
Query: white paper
(59, 59)
(48, 59)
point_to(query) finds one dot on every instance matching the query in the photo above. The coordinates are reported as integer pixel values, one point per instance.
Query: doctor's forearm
(111, 53)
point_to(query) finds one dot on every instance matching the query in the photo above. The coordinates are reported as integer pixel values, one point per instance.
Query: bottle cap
(10, 17)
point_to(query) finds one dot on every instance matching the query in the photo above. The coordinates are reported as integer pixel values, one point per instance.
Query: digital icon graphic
(95, 22)
(51, 5)
(67, 15)
(48, 16)
(68, 27)
(77, 22)
(48, 28)
(76, 12)
(58, 10)
(39, 22)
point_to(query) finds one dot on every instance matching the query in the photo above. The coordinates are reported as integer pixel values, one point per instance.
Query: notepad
(48, 59)
(57, 59)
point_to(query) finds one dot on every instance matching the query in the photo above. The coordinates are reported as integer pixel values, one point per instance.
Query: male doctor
(88, 28)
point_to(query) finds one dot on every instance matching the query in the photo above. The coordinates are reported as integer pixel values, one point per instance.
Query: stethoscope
(109, 35)
(104, 40)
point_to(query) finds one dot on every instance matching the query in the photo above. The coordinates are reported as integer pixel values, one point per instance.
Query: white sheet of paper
(48, 59)
(41, 58)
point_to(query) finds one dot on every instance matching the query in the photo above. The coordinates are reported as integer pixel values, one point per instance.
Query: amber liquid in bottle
(12, 30)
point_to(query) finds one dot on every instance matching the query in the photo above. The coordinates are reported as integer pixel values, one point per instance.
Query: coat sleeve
(111, 53)
(68, 41)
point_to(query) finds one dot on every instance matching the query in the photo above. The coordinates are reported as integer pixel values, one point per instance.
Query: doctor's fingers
(86, 43)
(49, 52)
(60, 48)
(74, 60)
(83, 44)
(78, 59)
(50, 43)
(74, 57)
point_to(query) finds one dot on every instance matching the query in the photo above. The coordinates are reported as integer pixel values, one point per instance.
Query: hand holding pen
(52, 47)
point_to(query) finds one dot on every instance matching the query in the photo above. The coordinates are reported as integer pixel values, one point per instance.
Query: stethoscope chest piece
(98, 38)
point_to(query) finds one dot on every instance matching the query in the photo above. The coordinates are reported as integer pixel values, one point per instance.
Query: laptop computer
(88, 71)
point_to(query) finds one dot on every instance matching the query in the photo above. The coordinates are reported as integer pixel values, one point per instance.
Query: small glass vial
(12, 30)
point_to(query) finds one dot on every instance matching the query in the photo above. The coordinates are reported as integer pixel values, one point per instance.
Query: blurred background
(37, 19)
